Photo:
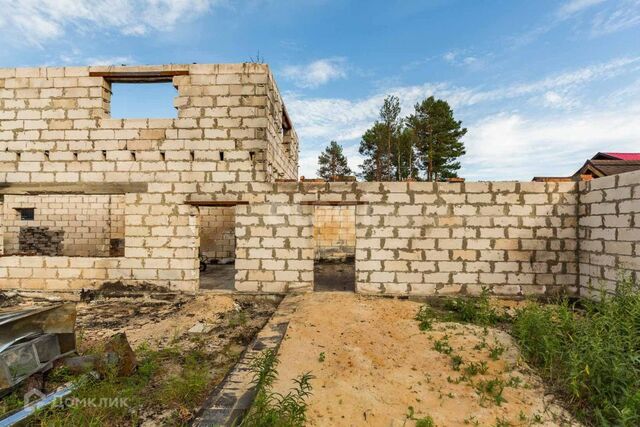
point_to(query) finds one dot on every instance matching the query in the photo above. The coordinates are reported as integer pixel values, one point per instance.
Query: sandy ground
(157, 324)
(377, 364)
(227, 325)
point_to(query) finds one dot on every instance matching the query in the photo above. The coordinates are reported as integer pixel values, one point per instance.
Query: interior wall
(334, 232)
(217, 232)
(64, 225)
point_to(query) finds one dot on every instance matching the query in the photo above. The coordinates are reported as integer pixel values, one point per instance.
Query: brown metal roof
(599, 168)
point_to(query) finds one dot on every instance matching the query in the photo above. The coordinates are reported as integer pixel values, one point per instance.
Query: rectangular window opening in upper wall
(26, 214)
(143, 100)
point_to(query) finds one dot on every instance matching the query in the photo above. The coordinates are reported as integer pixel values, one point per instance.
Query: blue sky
(540, 85)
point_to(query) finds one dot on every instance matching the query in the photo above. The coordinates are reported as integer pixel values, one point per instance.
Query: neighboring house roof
(602, 164)
(553, 178)
(598, 168)
(616, 156)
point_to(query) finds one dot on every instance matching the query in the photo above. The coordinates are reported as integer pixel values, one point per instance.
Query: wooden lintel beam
(73, 188)
(139, 76)
(328, 203)
(214, 203)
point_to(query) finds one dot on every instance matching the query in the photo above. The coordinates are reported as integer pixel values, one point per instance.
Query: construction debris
(119, 355)
(31, 340)
(42, 402)
(200, 328)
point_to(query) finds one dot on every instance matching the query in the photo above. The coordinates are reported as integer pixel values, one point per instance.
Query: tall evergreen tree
(391, 124)
(379, 144)
(372, 149)
(437, 137)
(333, 163)
(404, 157)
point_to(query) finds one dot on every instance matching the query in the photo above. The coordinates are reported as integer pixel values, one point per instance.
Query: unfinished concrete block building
(89, 199)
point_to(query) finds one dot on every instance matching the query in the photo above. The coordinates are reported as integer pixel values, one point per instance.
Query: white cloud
(572, 7)
(514, 146)
(319, 120)
(37, 21)
(77, 57)
(592, 17)
(450, 57)
(109, 60)
(342, 119)
(625, 14)
(553, 99)
(462, 59)
(316, 73)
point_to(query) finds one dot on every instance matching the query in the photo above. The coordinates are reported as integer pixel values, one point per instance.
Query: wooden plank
(218, 203)
(328, 203)
(73, 188)
(139, 76)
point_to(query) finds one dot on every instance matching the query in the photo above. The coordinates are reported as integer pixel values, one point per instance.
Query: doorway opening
(334, 235)
(217, 247)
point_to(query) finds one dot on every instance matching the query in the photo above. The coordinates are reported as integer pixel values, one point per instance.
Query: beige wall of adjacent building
(334, 232)
(217, 232)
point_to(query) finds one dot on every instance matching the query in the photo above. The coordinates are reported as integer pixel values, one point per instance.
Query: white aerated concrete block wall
(232, 141)
(609, 231)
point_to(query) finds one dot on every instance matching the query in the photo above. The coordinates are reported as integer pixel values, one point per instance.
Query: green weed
(274, 409)
(456, 362)
(420, 422)
(425, 317)
(514, 382)
(502, 422)
(442, 346)
(474, 368)
(476, 310)
(491, 390)
(237, 319)
(189, 387)
(471, 420)
(496, 351)
(11, 402)
(425, 422)
(592, 356)
(147, 387)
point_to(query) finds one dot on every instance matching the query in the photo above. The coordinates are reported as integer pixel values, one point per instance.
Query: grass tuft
(425, 317)
(274, 409)
(592, 356)
(476, 310)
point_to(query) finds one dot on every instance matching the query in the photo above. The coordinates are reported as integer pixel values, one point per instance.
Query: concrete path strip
(232, 398)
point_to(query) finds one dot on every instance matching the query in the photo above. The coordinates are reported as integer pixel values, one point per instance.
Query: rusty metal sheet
(56, 319)
(31, 339)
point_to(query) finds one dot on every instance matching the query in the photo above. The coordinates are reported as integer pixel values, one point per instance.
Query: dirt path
(372, 363)
(155, 323)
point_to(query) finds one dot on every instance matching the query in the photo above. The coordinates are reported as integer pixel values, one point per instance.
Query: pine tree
(404, 157)
(437, 138)
(333, 163)
(379, 144)
(372, 149)
(391, 124)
